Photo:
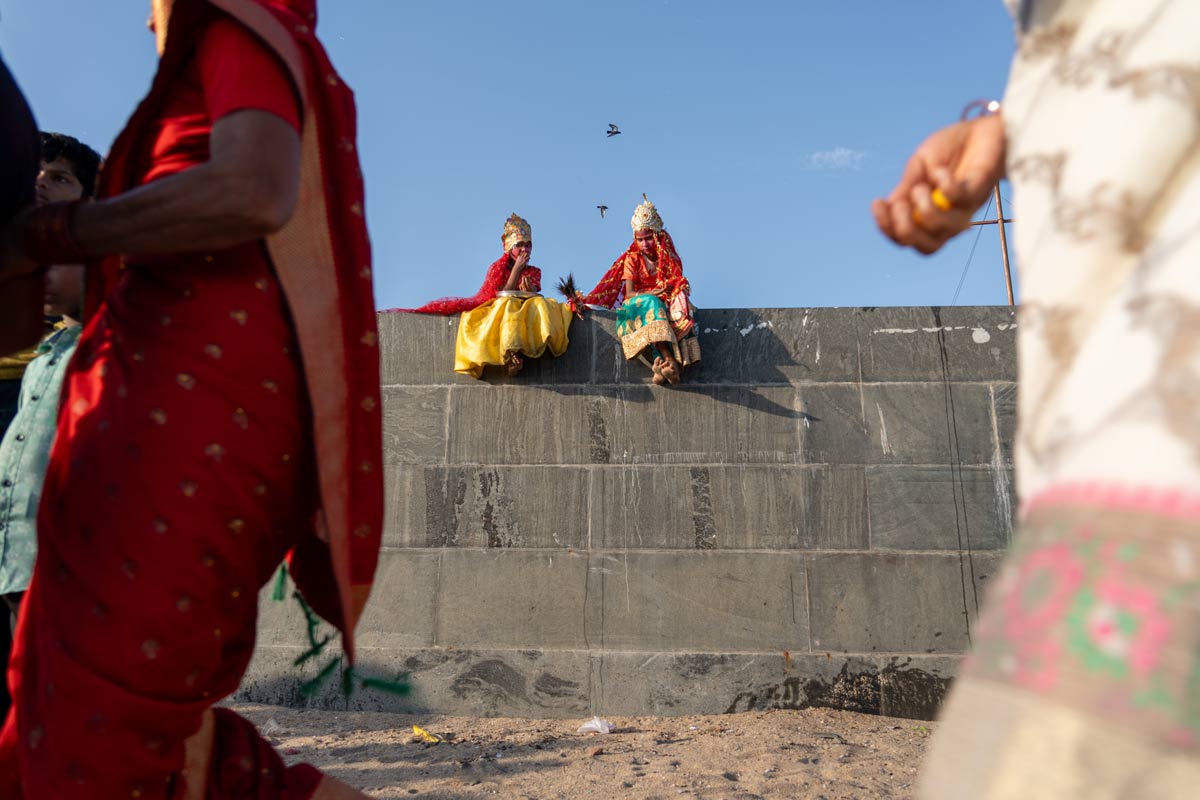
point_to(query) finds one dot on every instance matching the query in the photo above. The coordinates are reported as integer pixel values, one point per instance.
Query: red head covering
(323, 261)
(610, 291)
(493, 282)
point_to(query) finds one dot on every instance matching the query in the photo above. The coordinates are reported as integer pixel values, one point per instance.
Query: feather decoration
(566, 286)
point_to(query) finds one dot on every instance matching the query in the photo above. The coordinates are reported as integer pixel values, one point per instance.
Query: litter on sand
(596, 725)
(425, 736)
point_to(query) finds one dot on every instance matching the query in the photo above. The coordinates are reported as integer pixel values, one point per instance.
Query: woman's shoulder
(226, 33)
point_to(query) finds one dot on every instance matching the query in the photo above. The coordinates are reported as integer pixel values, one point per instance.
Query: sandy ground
(816, 753)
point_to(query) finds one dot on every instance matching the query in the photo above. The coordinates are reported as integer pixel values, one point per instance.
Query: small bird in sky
(602, 210)
(613, 130)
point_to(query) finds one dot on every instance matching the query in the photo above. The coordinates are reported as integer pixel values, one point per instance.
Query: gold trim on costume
(651, 333)
(688, 350)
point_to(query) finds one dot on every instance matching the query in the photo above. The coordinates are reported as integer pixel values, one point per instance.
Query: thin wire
(971, 255)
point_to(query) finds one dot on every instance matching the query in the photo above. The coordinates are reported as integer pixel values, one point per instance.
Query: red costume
(493, 282)
(222, 410)
(667, 282)
(610, 290)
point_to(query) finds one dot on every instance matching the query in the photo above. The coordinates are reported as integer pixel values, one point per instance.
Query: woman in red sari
(222, 410)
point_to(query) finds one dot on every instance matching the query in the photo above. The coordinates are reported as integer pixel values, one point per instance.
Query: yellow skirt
(528, 325)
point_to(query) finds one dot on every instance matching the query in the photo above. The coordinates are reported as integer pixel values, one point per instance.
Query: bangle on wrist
(49, 237)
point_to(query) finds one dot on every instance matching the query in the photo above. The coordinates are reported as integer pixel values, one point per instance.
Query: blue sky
(761, 129)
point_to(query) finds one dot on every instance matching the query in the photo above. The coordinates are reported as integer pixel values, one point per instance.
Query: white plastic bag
(596, 725)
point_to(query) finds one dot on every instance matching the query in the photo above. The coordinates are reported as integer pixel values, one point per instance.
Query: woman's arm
(246, 190)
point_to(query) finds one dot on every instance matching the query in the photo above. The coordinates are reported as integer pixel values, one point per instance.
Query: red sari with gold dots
(190, 458)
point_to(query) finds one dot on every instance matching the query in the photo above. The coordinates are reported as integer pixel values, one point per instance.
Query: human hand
(520, 260)
(945, 181)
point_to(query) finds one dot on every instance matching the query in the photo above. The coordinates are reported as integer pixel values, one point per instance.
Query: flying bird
(602, 210)
(613, 130)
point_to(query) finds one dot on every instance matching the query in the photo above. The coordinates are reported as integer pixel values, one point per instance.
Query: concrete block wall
(810, 520)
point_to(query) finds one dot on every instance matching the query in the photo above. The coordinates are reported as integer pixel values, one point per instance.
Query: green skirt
(644, 322)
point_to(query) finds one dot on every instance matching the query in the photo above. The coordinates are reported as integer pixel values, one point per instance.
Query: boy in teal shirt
(68, 173)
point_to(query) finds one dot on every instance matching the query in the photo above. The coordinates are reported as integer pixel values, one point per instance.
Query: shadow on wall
(489, 685)
(738, 347)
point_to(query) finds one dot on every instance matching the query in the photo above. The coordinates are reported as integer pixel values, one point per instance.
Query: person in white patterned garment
(1084, 680)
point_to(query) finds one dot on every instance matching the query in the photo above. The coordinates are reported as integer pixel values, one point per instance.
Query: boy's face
(64, 291)
(57, 183)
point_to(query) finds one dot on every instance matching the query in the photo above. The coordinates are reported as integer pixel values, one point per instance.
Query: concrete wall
(810, 520)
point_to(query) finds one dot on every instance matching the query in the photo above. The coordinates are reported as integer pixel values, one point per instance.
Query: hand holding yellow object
(948, 177)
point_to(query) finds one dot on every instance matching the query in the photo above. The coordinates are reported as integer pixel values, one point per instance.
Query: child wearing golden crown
(507, 320)
(656, 321)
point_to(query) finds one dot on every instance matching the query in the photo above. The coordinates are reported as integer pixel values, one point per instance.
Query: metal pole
(1004, 245)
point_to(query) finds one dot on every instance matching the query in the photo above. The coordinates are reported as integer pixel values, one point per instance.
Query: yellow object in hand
(940, 200)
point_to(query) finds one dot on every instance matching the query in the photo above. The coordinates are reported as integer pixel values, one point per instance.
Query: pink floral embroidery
(1065, 572)
(1035, 599)
(1120, 627)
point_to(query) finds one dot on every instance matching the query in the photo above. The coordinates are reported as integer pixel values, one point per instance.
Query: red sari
(190, 457)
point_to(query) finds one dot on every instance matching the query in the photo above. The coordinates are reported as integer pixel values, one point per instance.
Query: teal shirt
(24, 455)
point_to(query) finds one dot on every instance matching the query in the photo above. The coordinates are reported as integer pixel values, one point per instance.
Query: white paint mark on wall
(751, 327)
(1001, 485)
(980, 336)
(975, 332)
(883, 437)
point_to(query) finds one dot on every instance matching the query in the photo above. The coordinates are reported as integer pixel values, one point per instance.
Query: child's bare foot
(513, 363)
(670, 369)
(659, 379)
